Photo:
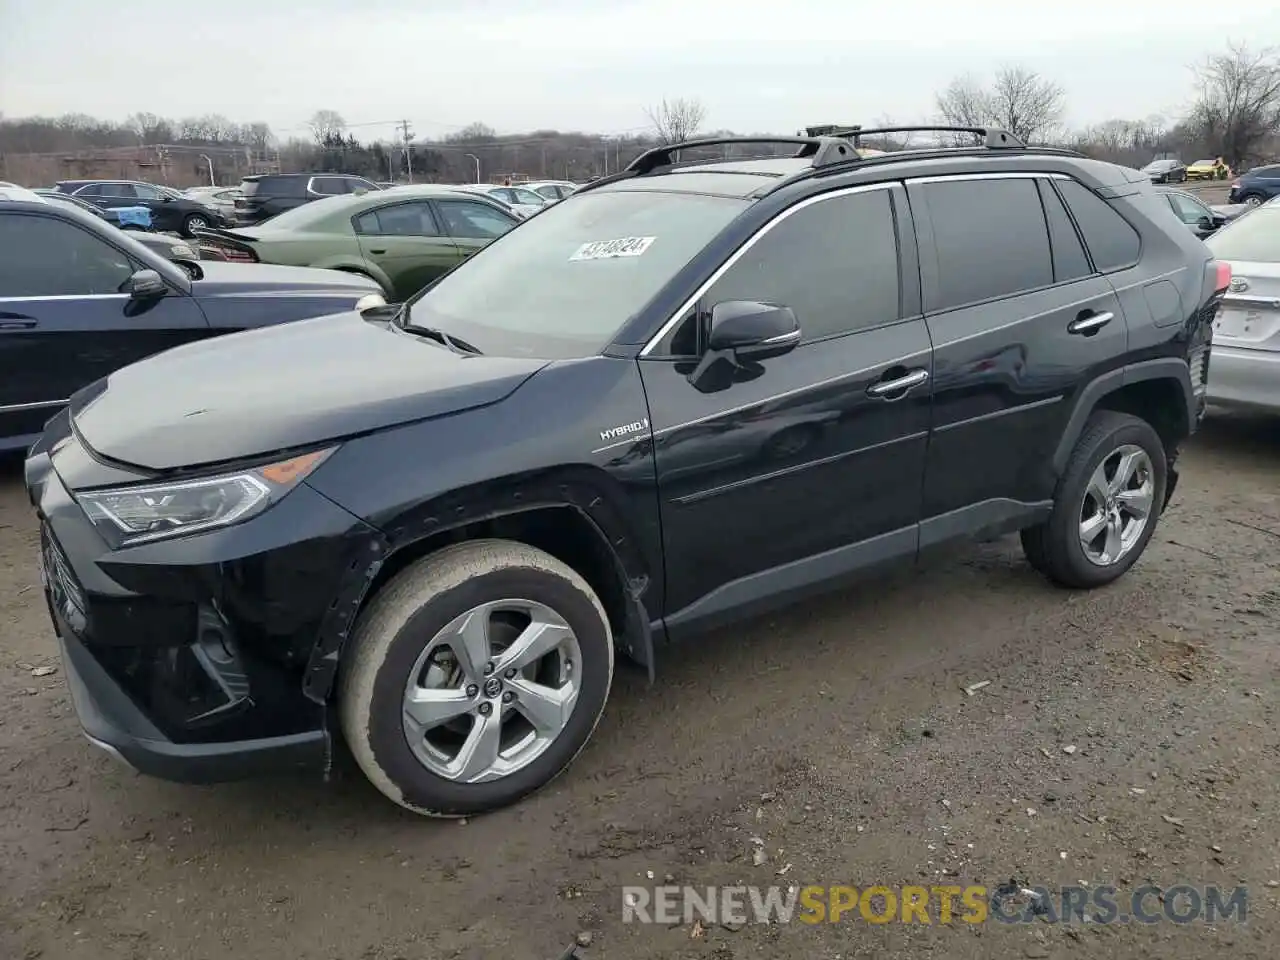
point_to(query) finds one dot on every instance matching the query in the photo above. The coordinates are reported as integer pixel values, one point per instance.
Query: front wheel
(1252, 200)
(194, 222)
(474, 677)
(1106, 506)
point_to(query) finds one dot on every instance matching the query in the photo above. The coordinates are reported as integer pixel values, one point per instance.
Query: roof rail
(823, 150)
(993, 137)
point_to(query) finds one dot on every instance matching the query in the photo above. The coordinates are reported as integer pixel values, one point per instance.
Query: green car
(403, 237)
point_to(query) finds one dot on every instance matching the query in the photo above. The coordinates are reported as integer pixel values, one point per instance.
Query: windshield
(1204, 163)
(1158, 164)
(1255, 236)
(564, 282)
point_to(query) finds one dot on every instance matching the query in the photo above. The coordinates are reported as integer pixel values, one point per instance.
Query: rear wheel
(1252, 199)
(1107, 504)
(475, 676)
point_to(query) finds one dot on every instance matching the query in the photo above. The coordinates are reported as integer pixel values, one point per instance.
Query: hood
(1230, 210)
(223, 278)
(282, 387)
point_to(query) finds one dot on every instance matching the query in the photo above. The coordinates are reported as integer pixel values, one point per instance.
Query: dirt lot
(832, 733)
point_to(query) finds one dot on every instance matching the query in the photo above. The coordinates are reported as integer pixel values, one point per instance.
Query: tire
(403, 622)
(193, 222)
(1253, 199)
(1054, 547)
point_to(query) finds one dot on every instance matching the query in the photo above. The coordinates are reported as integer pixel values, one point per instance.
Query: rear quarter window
(1112, 241)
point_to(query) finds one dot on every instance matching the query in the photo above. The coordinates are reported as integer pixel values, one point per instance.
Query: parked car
(1166, 171)
(1257, 186)
(168, 245)
(1213, 169)
(170, 210)
(551, 190)
(1245, 372)
(434, 526)
(402, 238)
(1202, 218)
(80, 298)
(264, 196)
(222, 199)
(524, 202)
(518, 213)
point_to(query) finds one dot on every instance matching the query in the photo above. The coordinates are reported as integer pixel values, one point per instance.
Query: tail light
(1223, 277)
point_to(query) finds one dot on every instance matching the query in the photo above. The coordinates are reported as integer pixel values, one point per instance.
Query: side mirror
(1207, 223)
(146, 284)
(748, 330)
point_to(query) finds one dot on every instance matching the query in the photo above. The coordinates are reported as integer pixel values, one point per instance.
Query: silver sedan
(1244, 366)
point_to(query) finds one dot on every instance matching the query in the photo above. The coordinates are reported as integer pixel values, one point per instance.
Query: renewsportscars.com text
(1103, 904)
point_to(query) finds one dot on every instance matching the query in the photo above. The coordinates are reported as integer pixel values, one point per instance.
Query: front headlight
(370, 300)
(130, 515)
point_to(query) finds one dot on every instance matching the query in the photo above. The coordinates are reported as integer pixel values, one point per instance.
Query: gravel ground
(832, 734)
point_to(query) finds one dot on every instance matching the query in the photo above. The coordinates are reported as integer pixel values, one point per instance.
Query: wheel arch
(1158, 391)
(563, 516)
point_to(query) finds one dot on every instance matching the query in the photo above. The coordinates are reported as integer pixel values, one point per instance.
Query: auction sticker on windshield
(607, 249)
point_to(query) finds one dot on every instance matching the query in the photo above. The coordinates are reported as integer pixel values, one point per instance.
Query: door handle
(1088, 322)
(885, 389)
(378, 251)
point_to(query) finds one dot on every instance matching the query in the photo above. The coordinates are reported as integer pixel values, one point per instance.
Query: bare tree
(326, 124)
(1026, 104)
(1238, 107)
(1019, 101)
(677, 120)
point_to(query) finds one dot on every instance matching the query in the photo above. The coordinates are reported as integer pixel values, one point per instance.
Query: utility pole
(407, 135)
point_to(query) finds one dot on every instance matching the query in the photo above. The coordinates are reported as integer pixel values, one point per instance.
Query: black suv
(170, 210)
(689, 392)
(263, 196)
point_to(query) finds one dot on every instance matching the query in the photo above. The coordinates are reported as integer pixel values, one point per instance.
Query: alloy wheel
(492, 691)
(1117, 505)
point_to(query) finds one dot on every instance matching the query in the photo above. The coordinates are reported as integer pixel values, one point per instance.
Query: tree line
(1234, 113)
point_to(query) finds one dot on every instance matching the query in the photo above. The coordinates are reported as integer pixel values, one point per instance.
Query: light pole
(212, 181)
(477, 160)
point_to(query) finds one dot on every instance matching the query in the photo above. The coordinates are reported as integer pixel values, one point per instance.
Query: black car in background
(265, 195)
(1166, 171)
(80, 299)
(166, 244)
(170, 210)
(1257, 186)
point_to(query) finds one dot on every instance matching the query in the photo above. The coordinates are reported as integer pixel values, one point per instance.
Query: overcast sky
(518, 65)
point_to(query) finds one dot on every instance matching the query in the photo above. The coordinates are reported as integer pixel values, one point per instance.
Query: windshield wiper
(455, 344)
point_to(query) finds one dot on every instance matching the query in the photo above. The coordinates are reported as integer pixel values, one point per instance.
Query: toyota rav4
(688, 393)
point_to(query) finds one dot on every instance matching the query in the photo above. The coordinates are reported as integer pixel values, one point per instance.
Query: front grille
(65, 592)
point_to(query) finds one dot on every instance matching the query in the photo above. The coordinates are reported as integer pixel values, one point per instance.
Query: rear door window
(991, 239)
(400, 220)
(329, 186)
(1069, 259)
(474, 221)
(1112, 241)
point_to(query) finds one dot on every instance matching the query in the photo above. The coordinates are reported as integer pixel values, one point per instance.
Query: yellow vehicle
(1215, 169)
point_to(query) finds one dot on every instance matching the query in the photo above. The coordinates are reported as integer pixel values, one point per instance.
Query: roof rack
(993, 137)
(823, 150)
